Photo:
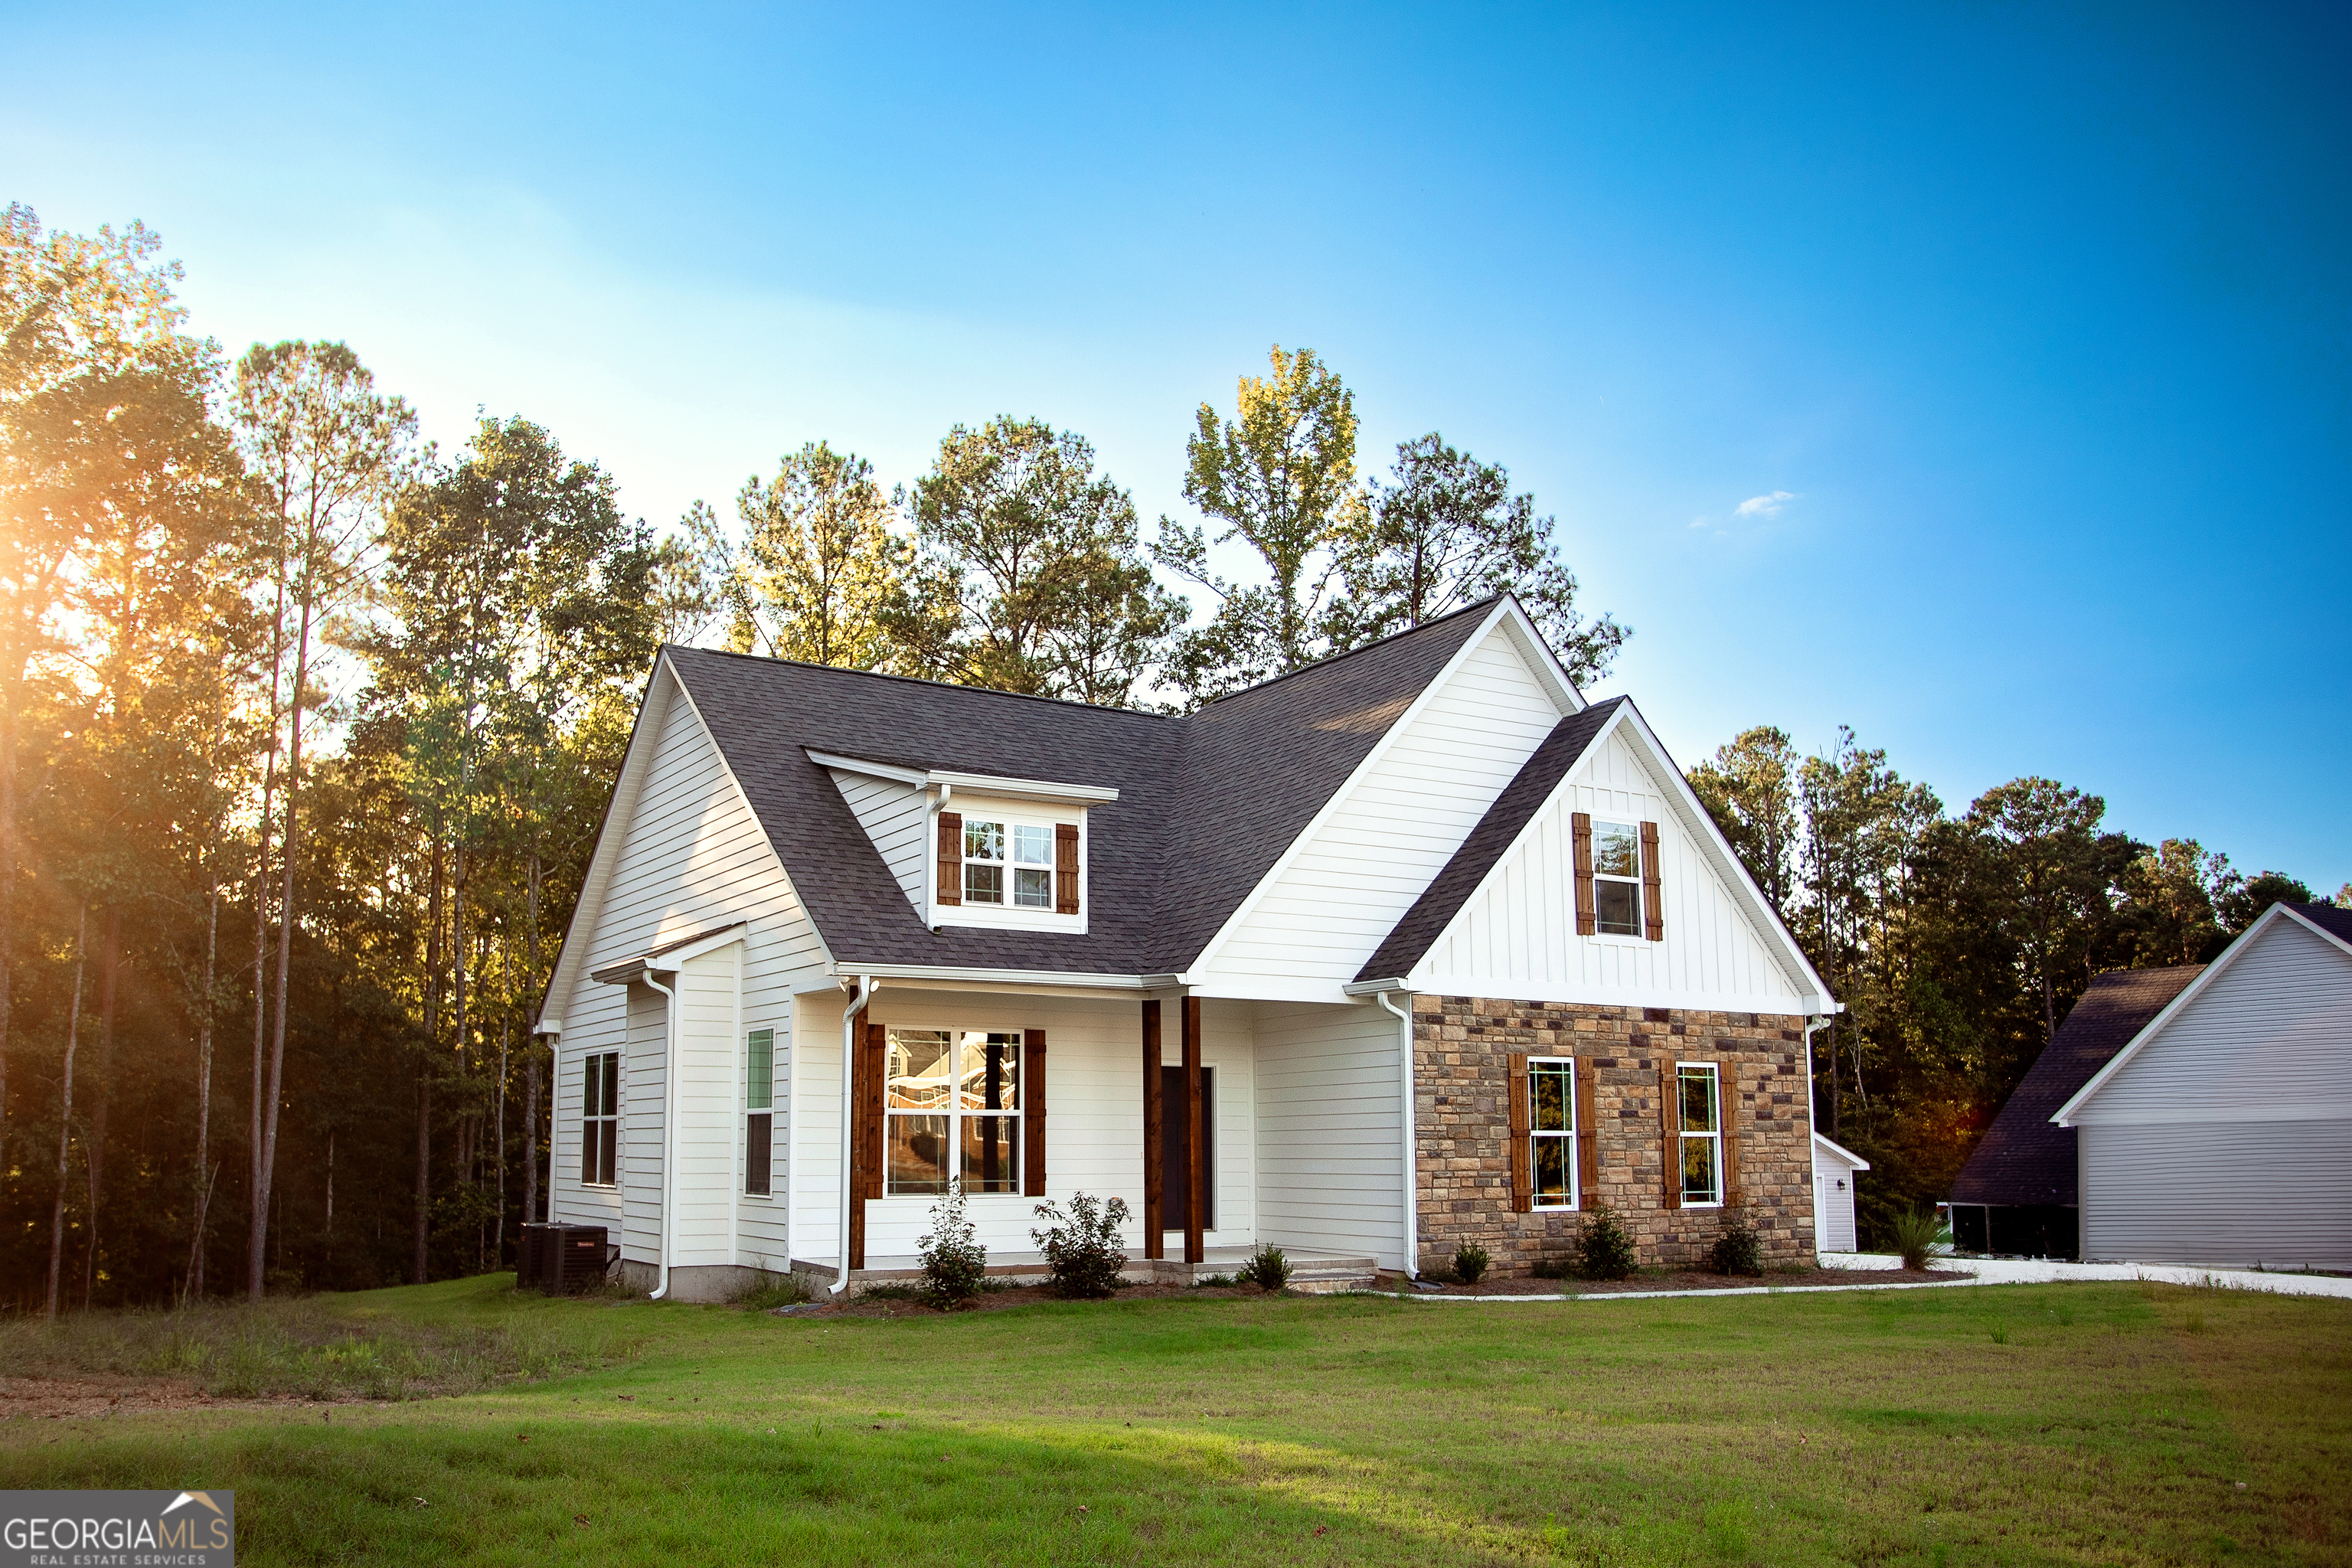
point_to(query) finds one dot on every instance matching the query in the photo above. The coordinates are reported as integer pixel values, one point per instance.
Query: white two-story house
(1410, 947)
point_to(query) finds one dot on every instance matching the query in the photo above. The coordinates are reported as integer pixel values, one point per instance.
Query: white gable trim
(1843, 1156)
(1503, 611)
(2259, 931)
(661, 690)
(981, 784)
(1536, 650)
(1812, 993)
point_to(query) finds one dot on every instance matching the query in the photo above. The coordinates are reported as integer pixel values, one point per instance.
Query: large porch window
(952, 1103)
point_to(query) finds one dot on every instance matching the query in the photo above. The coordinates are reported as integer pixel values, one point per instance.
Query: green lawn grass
(2085, 1424)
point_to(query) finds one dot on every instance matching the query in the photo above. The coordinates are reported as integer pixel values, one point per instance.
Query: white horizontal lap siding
(1519, 928)
(2227, 1135)
(2223, 1194)
(708, 1105)
(692, 858)
(1833, 1230)
(598, 1028)
(1401, 819)
(893, 816)
(762, 1227)
(814, 1141)
(1329, 1175)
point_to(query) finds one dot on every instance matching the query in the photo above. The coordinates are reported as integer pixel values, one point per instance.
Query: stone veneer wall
(1461, 1051)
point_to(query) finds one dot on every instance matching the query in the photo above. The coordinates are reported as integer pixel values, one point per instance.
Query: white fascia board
(2065, 1115)
(662, 687)
(1028, 979)
(1536, 650)
(1331, 807)
(1844, 1156)
(891, 771)
(1609, 996)
(1373, 987)
(1022, 789)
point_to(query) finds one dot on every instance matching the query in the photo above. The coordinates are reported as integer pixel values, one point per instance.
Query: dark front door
(1174, 1189)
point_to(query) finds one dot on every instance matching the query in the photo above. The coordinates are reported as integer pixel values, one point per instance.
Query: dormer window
(1010, 863)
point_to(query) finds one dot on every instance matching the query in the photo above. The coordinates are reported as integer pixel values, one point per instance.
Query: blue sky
(2034, 318)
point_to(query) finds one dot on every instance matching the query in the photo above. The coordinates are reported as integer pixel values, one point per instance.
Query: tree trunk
(110, 967)
(425, 1067)
(261, 994)
(8, 890)
(288, 851)
(64, 1113)
(530, 1049)
(205, 1093)
(506, 1038)
(423, 1167)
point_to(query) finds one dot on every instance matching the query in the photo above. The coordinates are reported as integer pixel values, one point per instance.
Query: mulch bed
(1690, 1279)
(997, 1301)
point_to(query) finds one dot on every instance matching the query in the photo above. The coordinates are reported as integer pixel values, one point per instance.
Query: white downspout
(931, 854)
(848, 1131)
(669, 1129)
(1404, 1098)
(1812, 1127)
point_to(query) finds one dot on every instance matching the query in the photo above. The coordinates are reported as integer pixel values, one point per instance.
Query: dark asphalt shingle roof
(1496, 833)
(2024, 1157)
(1219, 793)
(2336, 922)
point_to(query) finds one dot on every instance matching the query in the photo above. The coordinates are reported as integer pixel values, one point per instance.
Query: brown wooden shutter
(1032, 1114)
(1653, 915)
(1588, 1139)
(1522, 1179)
(1155, 1198)
(1580, 833)
(950, 888)
(1670, 1091)
(865, 1133)
(871, 1119)
(1726, 1085)
(1066, 867)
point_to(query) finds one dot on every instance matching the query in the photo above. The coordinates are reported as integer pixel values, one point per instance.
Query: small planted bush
(1267, 1269)
(1082, 1247)
(954, 1262)
(1470, 1262)
(1919, 1238)
(1603, 1248)
(1736, 1249)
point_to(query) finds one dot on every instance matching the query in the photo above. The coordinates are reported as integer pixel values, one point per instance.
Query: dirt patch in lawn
(871, 1306)
(69, 1398)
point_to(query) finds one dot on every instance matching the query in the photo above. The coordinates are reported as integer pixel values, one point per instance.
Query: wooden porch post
(1196, 1247)
(1155, 1202)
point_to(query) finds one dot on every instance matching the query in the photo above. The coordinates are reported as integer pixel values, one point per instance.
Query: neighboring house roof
(2331, 923)
(1207, 803)
(1488, 843)
(2023, 1158)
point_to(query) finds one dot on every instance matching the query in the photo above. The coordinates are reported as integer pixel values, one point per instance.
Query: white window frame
(956, 1112)
(767, 1111)
(1538, 1137)
(607, 1081)
(1634, 881)
(1010, 812)
(1010, 827)
(1714, 1075)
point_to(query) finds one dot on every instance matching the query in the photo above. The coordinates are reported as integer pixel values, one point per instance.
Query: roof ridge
(1330, 659)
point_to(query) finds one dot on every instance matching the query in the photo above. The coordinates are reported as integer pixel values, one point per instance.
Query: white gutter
(1404, 1081)
(849, 1133)
(669, 1129)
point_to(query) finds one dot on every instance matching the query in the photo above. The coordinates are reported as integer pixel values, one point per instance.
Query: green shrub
(1919, 1238)
(1267, 1269)
(1553, 1268)
(954, 1262)
(1470, 1262)
(1215, 1282)
(772, 1291)
(1736, 1249)
(1082, 1248)
(1603, 1250)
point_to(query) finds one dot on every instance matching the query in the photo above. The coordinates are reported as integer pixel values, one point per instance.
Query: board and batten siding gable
(1516, 935)
(1329, 902)
(683, 854)
(893, 814)
(2268, 1038)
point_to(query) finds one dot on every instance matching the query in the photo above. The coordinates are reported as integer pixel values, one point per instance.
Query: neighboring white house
(2222, 1133)
(1833, 1171)
(1410, 947)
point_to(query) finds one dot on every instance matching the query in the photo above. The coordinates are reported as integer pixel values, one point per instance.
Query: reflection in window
(1551, 1123)
(1015, 858)
(952, 1101)
(1702, 1134)
(1617, 878)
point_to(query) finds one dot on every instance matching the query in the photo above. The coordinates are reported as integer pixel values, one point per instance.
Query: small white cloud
(1765, 506)
(1698, 522)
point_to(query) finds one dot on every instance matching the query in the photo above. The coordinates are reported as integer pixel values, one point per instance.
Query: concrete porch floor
(1312, 1271)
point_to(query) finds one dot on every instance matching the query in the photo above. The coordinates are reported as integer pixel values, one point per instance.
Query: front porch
(1315, 1272)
